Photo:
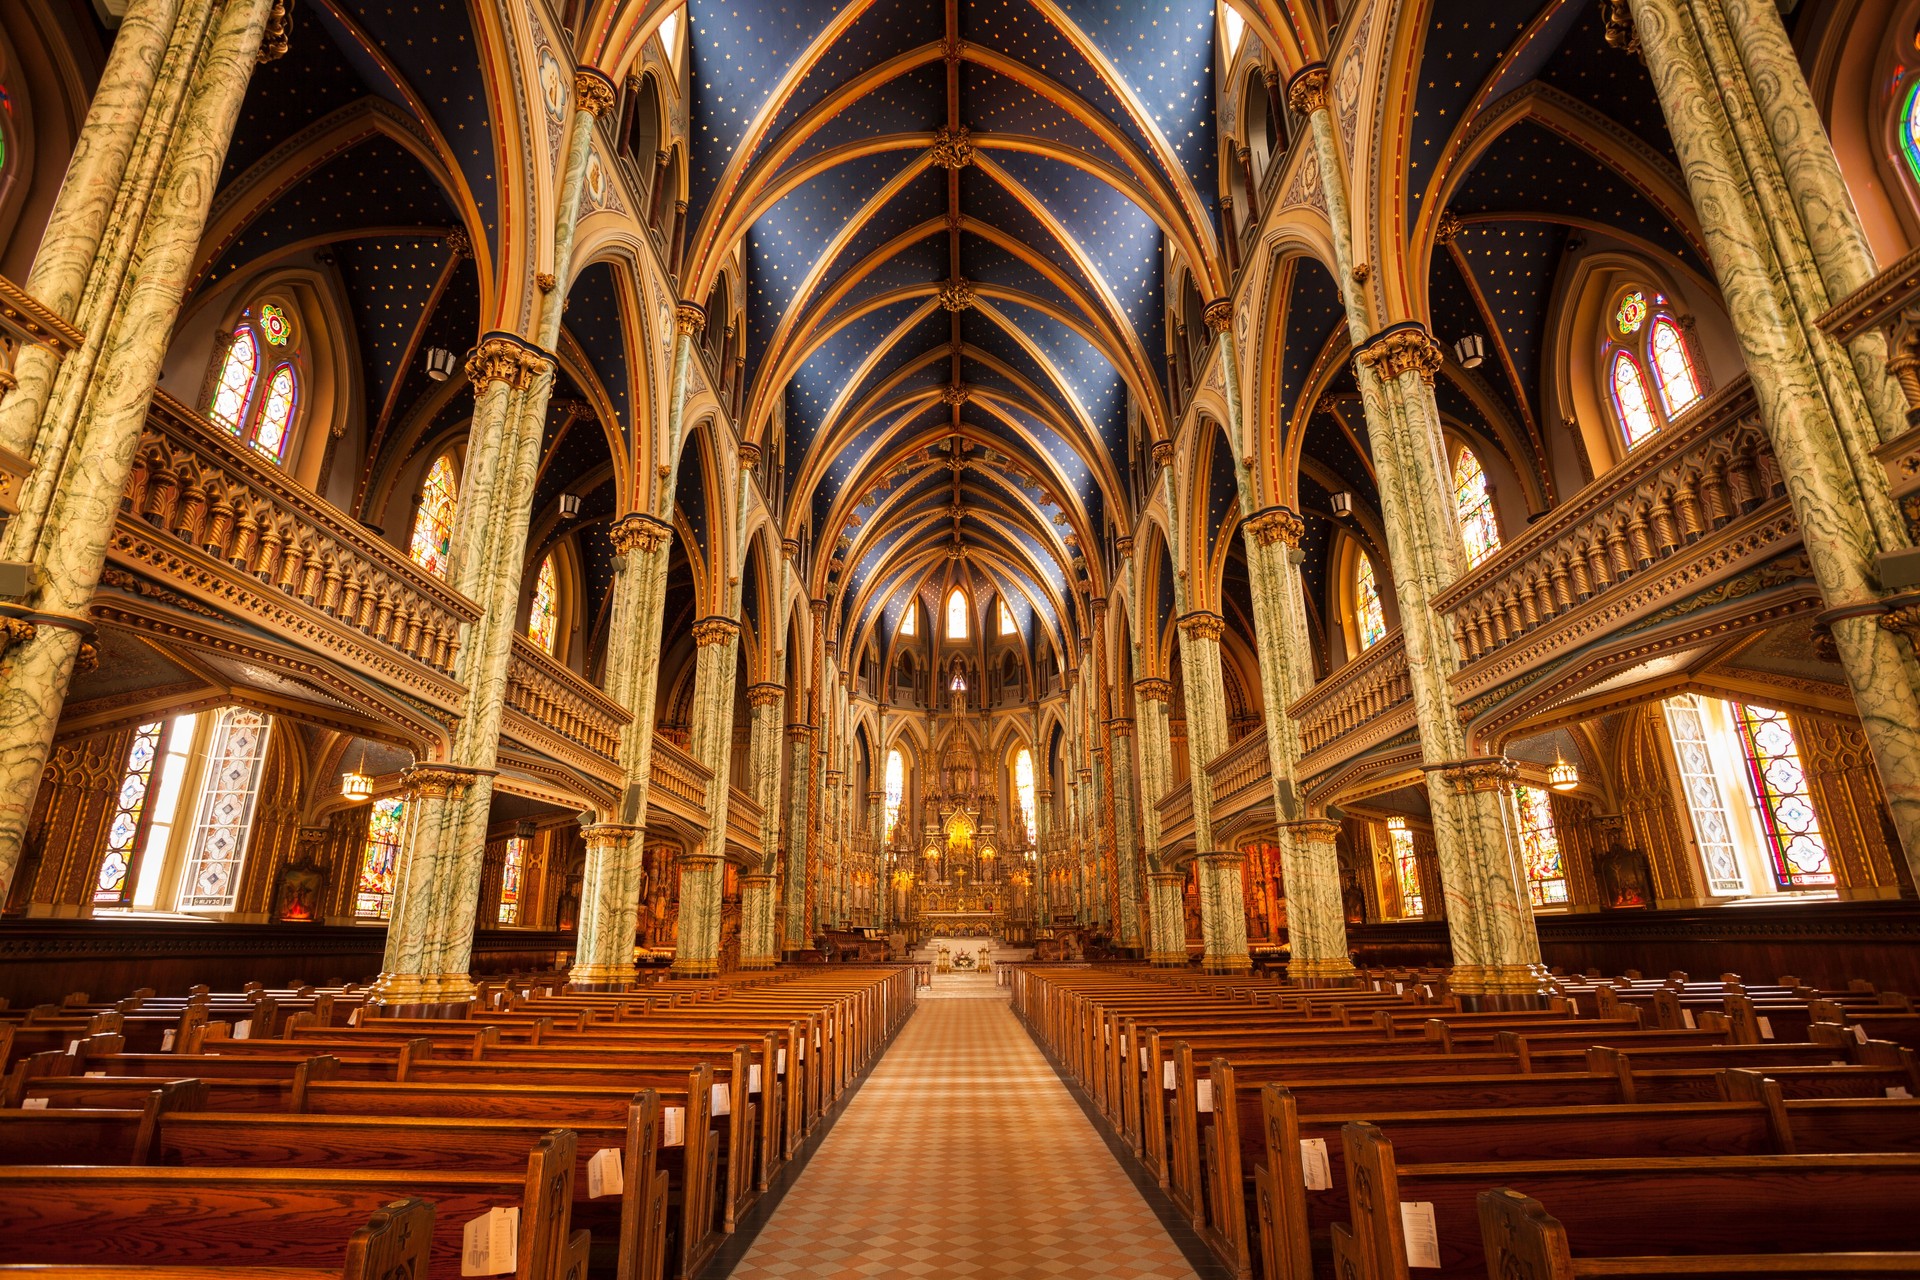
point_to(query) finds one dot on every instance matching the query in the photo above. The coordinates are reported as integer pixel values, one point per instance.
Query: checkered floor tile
(963, 1155)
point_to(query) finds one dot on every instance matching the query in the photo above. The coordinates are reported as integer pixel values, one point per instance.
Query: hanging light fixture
(1563, 776)
(439, 363)
(569, 506)
(1470, 351)
(1341, 503)
(355, 784)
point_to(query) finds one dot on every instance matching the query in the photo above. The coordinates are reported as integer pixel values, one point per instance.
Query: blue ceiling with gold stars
(1079, 113)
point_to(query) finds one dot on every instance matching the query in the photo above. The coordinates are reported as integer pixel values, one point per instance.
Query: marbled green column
(80, 267)
(1317, 954)
(611, 881)
(80, 488)
(796, 936)
(759, 932)
(833, 859)
(1126, 841)
(1167, 918)
(1316, 919)
(1166, 927)
(717, 654)
(1223, 919)
(1813, 413)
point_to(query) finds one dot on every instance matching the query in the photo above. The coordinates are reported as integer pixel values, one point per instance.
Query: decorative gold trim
(1202, 625)
(1154, 690)
(1307, 91)
(1162, 452)
(749, 454)
(640, 532)
(765, 695)
(592, 91)
(714, 630)
(1219, 315)
(1465, 777)
(952, 148)
(274, 43)
(957, 295)
(1276, 524)
(1401, 349)
(688, 319)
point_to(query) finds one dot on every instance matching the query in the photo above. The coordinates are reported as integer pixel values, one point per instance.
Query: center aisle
(963, 1155)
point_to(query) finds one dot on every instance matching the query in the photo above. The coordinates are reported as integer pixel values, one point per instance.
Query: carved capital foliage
(1905, 620)
(638, 532)
(1489, 773)
(494, 360)
(689, 319)
(749, 454)
(818, 608)
(1124, 546)
(15, 631)
(952, 148)
(1617, 15)
(799, 732)
(593, 91)
(1121, 728)
(1154, 690)
(1202, 625)
(273, 44)
(956, 295)
(1312, 831)
(1447, 228)
(458, 244)
(765, 695)
(1276, 524)
(1403, 349)
(437, 782)
(1307, 91)
(956, 393)
(1219, 315)
(1162, 452)
(714, 630)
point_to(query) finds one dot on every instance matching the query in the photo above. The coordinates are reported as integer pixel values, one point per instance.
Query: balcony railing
(1890, 304)
(677, 784)
(1707, 470)
(231, 530)
(744, 816)
(1241, 777)
(1363, 690)
(557, 700)
(1176, 816)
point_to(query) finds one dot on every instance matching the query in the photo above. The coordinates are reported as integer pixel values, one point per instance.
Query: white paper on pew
(605, 1176)
(673, 1127)
(1315, 1165)
(490, 1244)
(1167, 1080)
(1423, 1239)
(1898, 1091)
(73, 1048)
(33, 1104)
(722, 1100)
(1203, 1094)
(1427, 992)
(780, 1063)
(166, 1041)
(753, 1077)
(1766, 1029)
(1143, 1058)
(353, 1019)
(1859, 1033)
(1686, 1019)
(1399, 988)
(244, 1028)
(96, 1075)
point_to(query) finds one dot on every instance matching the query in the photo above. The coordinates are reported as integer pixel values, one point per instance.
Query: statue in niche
(1626, 882)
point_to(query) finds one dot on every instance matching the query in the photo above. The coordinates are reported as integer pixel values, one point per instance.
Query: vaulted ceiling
(955, 218)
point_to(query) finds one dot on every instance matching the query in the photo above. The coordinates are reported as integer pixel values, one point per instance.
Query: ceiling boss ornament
(956, 295)
(952, 148)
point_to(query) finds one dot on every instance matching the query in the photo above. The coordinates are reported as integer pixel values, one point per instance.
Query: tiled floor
(963, 1155)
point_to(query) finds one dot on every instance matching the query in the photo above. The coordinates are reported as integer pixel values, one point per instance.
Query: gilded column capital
(714, 630)
(1403, 348)
(1219, 315)
(846, 681)
(765, 694)
(1168, 878)
(441, 781)
(1307, 91)
(1314, 830)
(15, 631)
(640, 532)
(1904, 620)
(790, 547)
(1202, 625)
(1485, 773)
(749, 455)
(833, 777)
(1125, 547)
(1276, 524)
(601, 834)
(1120, 727)
(501, 357)
(1099, 605)
(818, 608)
(1223, 858)
(689, 318)
(1154, 690)
(799, 732)
(1162, 452)
(592, 91)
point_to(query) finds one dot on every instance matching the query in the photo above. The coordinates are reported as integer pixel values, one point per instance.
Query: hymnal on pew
(490, 1244)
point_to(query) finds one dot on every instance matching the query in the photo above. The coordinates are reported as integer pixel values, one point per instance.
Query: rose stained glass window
(433, 521)
(379, 858)
(1540, 847)
(1785, 802)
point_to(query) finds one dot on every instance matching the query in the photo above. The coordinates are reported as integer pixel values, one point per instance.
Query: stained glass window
(273, 323)
(896, 793)
(1367, 607)
(1711, 828)
(956, 615)
(233, 387)
(1473, 507)
(225, 817)
(130, 806)
(276, 414)
(908, 619)
(1007, 625)
(433, 522)
(1780, 792)
(1023, 791)
(1630, 399)
(1540, 847)
(373, 892)
(543, 617)
(1910, 129)
(1632, 314)
(512, 867)
(1672, 367)
(1406, 872)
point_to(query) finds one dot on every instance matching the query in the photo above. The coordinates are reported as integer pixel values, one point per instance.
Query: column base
(694, 969)
(1227, 964)
(422, 995)
(760, 962)
(1501, 986)
(602, 977)
(1331, 972)
(1168, 959)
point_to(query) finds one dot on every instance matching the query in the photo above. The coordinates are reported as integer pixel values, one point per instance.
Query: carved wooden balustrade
(744, 816)
(677, 785)
(1357, 695)
(1176, 817)
(206, 516)
(1705, 471)
(555, 699)
(1241, 778)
